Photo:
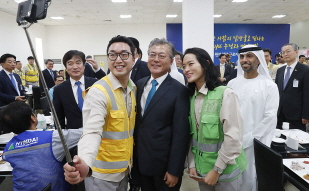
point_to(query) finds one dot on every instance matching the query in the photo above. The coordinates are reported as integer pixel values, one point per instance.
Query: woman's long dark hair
(210, 71)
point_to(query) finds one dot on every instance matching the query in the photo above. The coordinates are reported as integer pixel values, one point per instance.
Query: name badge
(295, 83)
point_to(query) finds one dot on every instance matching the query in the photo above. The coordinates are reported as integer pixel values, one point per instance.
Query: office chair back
(36, 92)
(269, 168)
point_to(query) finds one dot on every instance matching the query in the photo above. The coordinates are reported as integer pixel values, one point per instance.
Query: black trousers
(294, 124)
(156, 183)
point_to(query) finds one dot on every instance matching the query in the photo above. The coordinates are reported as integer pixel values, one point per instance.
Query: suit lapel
(295, 71)
(163, 89)
(140, 93)
(134, 70)
(281, 79)
(8, 79)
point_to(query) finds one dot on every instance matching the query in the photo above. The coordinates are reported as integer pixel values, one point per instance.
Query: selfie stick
(58, 127)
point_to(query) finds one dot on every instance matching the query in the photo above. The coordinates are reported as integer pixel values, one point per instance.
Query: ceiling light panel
(278, 16)
(171, 16)
(125, 16)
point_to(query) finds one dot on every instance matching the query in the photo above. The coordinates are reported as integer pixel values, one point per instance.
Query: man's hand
(222, 79)
(170, 180)
(193, 172)
(305, 121)
(211, 178)
(77, 173)
(93, 63)
(20, 98)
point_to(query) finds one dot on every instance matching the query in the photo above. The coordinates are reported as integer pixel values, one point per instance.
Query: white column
(198, 25)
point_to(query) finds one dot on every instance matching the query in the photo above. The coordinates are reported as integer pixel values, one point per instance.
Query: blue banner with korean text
(229, 38)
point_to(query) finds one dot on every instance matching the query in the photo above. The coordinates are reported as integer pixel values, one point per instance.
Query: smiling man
(259, 99)
(106, 146)
(162, 126)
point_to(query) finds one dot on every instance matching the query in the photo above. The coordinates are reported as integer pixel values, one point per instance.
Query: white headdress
(262, 69)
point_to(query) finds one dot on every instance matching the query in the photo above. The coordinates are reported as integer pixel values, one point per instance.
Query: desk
(295, 177)
(5, 169)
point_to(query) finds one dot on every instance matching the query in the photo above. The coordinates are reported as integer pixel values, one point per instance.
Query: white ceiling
(89, 12)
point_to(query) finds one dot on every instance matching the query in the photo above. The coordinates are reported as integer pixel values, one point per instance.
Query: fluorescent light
(239, 1)
(57, 18)
(177, 0)
(19, 1)
(119, 1)
(125, 16)
(171, 16)
(217, 16)
(278, 16)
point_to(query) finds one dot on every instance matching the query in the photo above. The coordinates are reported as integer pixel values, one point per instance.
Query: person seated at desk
(58, 80)
(35, 155)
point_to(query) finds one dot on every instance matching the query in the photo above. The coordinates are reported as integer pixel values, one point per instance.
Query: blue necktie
(52, 74)
(13, 82)
(79, 96)
(287, 77)
(151, 93)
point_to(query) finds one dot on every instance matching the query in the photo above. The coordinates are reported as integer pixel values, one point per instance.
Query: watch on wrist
(218, 170)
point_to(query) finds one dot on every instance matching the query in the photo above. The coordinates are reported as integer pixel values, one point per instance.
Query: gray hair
(295, 47)
(162, 41)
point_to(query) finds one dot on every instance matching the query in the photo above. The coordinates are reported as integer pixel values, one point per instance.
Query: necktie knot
(78, 83)
(154, 83)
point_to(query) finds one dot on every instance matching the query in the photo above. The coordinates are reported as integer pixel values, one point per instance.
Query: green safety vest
(208, 138)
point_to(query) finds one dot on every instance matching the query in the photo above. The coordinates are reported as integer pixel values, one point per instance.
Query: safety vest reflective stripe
(228, 177)
(30, 75)
(27, 149)
(110, 165)
(207, 147)
(110, 93)
(117, 135)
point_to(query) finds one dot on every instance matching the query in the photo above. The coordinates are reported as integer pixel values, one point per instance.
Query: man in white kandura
(259, 100)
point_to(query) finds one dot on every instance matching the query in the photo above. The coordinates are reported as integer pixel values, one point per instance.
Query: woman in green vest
(216, 158)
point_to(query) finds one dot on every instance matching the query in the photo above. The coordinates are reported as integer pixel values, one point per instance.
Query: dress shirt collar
(159, 79)
(292, 65)
(203, 90)
(81, 80)
(222, 64)
(116, 84)
(7, 73)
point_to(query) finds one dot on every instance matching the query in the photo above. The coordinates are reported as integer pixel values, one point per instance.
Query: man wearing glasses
(293, 85)
(106, 146)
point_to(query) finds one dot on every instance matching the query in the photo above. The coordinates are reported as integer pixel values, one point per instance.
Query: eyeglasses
(114, 56)
(160, 56)
(285, 52)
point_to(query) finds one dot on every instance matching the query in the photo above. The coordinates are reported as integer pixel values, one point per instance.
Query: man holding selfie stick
(11, 88)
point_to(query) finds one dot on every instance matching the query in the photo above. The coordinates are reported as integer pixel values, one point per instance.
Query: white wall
(13, 39)
(299, 34)
(93, 39)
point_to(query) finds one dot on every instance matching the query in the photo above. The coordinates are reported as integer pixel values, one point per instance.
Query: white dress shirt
(74, 86)
(148, 87)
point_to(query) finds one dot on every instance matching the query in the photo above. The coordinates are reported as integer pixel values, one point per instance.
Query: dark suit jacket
(227, 72)
(294, 101)
(7, 90)
(139, 71)
(48, 79)
(162, 133)
(66, 106)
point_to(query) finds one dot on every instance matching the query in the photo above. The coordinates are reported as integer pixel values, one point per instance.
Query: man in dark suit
(293, 85)
(49, 75)
(224, 69)
(67, 101)
(162, 128)
(11, 88)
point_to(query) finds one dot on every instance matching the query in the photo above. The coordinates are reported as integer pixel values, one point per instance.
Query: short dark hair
(227, 55)
(30, 58)
(135, 42)
(210, 71)
(70, 54)
(123, 39)
(221, 55)
(278, 55)
(17, 61)
(89, 56)
(16, 117)
(5, 56)
(48, 60)
(267, 50)
(61, 71)
(178, 53)
(300, 56)
(59, 77)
